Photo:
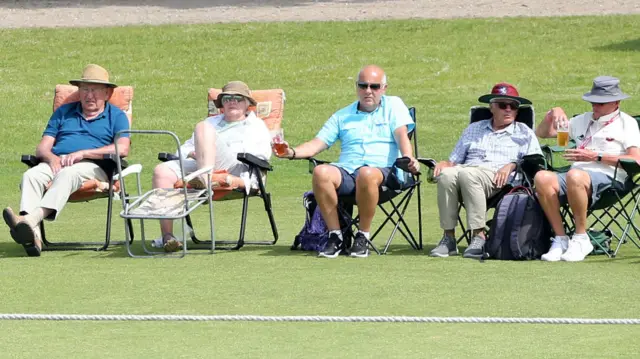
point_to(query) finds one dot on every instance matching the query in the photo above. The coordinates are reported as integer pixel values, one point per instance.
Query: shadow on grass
(629, 45)
(172, 4)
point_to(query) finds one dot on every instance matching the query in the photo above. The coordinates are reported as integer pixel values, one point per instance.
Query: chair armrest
(137, 168)
(631, 167)
(166, 156)
(112, 157)
(429, 162)
(30, 160)
(198, 173)
(314, 162)
(403, 164)
(251, 160)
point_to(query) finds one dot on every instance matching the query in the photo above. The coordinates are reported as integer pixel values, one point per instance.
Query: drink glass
(563, 134)
(277, 141)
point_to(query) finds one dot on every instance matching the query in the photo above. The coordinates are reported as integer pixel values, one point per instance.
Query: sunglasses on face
(503, 105)
(365, 85)
(229, 98)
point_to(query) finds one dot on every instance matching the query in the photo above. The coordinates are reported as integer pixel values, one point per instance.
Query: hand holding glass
(277, 141)
(563, 133)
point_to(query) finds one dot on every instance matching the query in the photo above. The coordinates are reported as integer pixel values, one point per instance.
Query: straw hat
(94, 74)
(235, 88)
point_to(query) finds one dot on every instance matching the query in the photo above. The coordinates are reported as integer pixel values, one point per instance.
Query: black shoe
(360, 248)
(333, 247)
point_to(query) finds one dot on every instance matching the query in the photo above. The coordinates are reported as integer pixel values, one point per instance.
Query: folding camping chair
(530, 165)
(394, 214)
(270, 108)
(615, 210)
(122, 97)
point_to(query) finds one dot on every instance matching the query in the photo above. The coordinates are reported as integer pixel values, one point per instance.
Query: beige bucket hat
(94, 74)
(235, 88)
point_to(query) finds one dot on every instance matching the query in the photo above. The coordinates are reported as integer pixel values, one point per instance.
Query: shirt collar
(509, 129)
(606, 118)
(102, 114)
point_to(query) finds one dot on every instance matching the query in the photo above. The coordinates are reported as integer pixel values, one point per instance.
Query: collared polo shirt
(480, 145)
(366, 138)
(72, 132)
(612, 139)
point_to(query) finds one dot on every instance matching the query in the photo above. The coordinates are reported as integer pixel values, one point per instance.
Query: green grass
(440, 67)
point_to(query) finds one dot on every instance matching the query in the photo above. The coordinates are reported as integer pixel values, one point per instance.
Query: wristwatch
(599, 159)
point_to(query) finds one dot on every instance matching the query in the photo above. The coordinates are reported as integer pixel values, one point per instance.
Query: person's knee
(204, 127)
(67, 174)
(546, 182)
(448, 176)
(469, 178)
(368, 177)
(162, 174)
(578, 179)
(323, 173)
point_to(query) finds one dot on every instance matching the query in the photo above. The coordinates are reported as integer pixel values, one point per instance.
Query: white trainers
(559, 245)
(579, 247)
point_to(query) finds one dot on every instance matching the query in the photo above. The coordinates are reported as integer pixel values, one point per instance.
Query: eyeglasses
(91, 90)
(229, 98)
(365, 85)
(503, 105)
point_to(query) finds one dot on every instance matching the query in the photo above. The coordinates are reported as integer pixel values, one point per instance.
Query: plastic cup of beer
(277, 141)
(563, 134)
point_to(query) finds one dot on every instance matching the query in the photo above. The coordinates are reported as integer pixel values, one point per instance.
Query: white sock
(580, 236)
(337, 232)
(366, 234)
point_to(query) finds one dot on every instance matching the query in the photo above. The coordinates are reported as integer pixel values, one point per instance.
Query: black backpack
(519, 229)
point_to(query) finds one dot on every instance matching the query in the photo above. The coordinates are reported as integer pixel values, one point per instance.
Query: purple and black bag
(314, 234)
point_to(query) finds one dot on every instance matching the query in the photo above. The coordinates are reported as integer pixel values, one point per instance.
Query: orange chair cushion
(122, 97)
(270, 107)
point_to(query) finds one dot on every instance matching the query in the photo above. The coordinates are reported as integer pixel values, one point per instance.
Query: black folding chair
(526, 115)
(393, 209)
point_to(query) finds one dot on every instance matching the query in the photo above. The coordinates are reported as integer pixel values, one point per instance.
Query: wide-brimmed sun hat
(505, 91)
(235, 88)
(605, 89)
(94, 74)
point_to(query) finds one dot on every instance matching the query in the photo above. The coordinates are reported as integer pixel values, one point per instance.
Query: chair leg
(267, 207)
(419, 219)
(243, 223)
(107, 237)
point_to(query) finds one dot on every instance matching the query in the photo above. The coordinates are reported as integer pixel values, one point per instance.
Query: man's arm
(401, 136)
(307, 149)
(43, 152)
(98, 153)
(548, 127)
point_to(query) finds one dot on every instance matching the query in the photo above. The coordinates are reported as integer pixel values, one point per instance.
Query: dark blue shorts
(348, 184)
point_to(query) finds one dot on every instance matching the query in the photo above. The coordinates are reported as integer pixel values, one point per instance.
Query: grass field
(440, 67)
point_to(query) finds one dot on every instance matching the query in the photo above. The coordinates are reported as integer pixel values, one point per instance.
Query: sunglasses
(504, 105)
(229, 98)
(366, 85)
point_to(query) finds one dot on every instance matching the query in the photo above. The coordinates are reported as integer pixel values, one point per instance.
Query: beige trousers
(67, 181)
(475, 185)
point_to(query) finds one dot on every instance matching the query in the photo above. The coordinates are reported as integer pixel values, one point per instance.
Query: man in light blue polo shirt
(373, 133)
(76, 136)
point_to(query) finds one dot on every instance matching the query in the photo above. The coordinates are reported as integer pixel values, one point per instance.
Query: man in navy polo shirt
(77, 134)
(373, 133)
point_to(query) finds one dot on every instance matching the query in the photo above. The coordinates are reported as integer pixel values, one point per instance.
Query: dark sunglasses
(365, 85)
(504, 105)
(236, 98)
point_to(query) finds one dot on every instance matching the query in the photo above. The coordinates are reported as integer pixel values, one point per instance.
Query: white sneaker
(579, 247)
(559, 245)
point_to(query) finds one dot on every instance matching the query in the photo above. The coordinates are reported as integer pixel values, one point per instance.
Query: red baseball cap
(504, 90)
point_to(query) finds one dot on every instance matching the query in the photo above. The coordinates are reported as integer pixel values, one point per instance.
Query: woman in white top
(216, 142)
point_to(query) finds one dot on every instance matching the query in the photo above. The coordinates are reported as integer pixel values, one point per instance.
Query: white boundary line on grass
(305, 318)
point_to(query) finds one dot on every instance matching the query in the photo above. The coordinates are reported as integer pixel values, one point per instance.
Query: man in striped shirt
(482, 162)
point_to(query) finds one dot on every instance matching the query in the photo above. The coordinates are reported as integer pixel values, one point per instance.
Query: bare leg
(578, 193)
(368, 183)
(205, 141)
(326, 179)
(548, 188)
(164, 177)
